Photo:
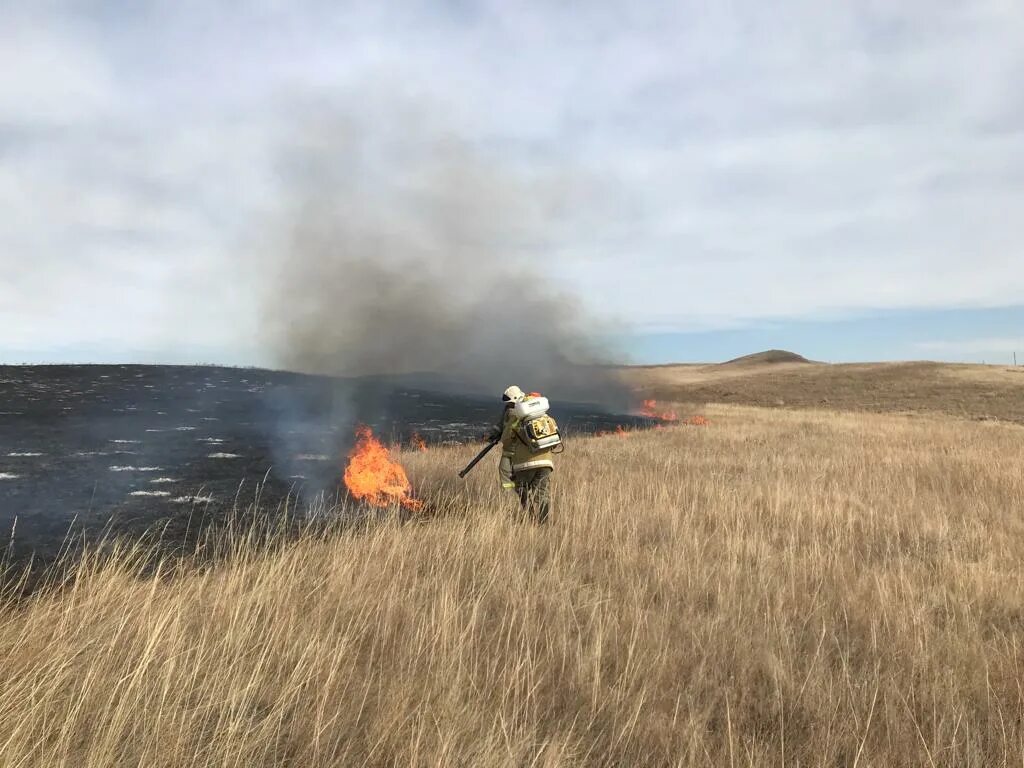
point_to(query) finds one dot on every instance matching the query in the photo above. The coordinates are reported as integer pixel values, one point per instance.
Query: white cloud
(53, 79)
(718, 163)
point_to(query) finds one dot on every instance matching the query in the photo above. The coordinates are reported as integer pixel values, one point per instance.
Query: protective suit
(520, 469)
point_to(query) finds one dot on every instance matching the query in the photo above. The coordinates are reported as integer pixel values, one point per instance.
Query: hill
(768, 357)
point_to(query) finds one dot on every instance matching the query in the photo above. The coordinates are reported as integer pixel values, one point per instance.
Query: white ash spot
(184, 429)
(211, 440)
(135, 469)
(156, 480)
(313, 457)
(24, 454)
(156, 430)
(209, 418)
(91, 453)
(126, 442)
(149, 493)
(192, 500)
(9, 476)
(222, 455)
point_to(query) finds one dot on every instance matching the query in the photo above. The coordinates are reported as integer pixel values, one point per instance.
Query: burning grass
(781, 588)
(650, 409)
(374, 477)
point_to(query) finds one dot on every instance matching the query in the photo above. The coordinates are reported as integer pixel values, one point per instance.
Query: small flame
(697, 421)
(372, 476)
(417, 442)
(651, 411)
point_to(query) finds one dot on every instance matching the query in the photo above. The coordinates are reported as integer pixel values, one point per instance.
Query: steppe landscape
(826, 572)
(511, 384)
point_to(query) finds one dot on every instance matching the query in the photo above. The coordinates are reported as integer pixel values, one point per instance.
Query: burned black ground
(84, 448)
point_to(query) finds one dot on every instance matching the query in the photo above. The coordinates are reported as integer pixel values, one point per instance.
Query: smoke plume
(406, 252)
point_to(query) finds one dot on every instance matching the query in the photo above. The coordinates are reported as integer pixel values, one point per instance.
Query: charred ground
(83, 447)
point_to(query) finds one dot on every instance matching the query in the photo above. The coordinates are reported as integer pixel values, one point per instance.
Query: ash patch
(92, 446)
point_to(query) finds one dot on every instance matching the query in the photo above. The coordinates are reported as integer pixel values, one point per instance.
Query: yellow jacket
(516, 456)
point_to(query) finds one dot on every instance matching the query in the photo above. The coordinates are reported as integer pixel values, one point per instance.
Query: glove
(505, 472)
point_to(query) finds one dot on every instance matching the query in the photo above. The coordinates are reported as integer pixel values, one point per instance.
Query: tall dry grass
(778, 588)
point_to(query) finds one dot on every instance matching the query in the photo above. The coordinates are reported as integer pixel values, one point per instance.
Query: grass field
(780, 587)
(968, 391)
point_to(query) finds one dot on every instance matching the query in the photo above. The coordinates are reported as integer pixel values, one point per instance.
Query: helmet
(513, 394)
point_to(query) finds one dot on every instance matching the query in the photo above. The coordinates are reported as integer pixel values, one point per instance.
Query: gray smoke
(405, 252)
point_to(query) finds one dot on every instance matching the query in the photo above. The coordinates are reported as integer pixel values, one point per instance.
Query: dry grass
(778, 588)
(967, 391)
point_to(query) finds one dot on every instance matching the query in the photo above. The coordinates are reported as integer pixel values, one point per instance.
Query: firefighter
(521, 469)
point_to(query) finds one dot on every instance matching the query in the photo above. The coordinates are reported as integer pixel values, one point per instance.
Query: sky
(844, 179)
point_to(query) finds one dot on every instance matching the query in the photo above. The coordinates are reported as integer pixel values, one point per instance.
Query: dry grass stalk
(779, 588)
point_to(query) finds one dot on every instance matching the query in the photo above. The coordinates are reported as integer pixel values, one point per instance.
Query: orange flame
(417, 442)
(372, 476)
(697, 421)
(650, 410)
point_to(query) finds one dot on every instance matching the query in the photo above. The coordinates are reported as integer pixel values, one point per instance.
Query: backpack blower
(536, 429)
(479, 456)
